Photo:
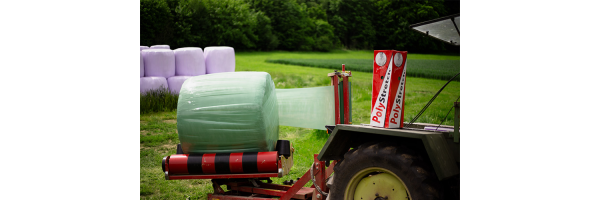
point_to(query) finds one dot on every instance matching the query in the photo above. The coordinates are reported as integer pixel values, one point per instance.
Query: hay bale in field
(189, 61)
(162, 46)
(219, 59)
(152, 83)
(141, 65)
(175, 83)
(159, 62)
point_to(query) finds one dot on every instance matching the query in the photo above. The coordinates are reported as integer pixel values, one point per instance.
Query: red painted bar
(230, 197)
(267, 161)
(255, 190)
(235, 163)
(274, 190)
(208, 163)
(297, 186)
(222, 176)
(178, 164)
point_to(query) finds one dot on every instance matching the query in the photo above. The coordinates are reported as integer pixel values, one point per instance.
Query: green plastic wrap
(306, 107)
(228, 112)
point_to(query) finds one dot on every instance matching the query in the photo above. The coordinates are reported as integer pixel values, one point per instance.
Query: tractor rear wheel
(383, 171)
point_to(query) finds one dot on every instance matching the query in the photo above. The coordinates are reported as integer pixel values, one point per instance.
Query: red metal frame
(335, 77)
(265, 191)
(346, 100)
(221, 176)
(229, 197)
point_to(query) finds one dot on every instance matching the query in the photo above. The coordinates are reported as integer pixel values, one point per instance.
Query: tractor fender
(344, 137)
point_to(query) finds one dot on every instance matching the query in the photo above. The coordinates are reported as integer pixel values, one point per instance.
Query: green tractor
(414, 162)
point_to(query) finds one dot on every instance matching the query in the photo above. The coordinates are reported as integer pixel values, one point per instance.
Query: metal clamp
(312, 177)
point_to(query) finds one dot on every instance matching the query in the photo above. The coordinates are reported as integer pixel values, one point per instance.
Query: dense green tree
(352, 20)
(292, 24)
(393, 18)
(156, 22)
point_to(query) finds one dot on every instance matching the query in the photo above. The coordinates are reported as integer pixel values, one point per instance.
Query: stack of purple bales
(162, 67)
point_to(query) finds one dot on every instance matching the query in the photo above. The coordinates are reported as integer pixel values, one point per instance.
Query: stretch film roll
(306, 107)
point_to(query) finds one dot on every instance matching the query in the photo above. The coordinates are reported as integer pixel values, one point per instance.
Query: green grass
(436, 69)
(158, 131)
(158, 101)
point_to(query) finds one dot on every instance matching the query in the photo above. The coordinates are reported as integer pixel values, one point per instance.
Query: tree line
(294, 25)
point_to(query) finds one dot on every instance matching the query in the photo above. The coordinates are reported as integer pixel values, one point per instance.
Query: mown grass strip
(435, 69)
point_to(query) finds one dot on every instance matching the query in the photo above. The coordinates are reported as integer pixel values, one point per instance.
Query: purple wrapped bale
(175, 83)
(219, 59)
(141, 65)
(162, 46)
(159, 63)
(152, 83)
(143, 47)
(189, 61)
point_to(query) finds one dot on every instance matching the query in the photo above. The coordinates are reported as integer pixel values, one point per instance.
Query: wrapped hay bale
(162, 46)
(228, 112)
(152, 83)
(159, 62)
(141, 65)
(189, 61)
(143, 47)
(219, 59)
(175, 83)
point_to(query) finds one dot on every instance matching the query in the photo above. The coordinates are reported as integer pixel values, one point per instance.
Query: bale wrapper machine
(243, 173)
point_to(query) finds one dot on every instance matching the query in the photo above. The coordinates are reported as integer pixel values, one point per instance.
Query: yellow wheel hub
(376, 184)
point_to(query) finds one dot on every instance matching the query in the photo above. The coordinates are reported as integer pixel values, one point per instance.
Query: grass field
(436, 69)
(158, 131)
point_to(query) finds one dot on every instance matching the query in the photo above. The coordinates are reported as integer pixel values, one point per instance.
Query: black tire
(417, 175)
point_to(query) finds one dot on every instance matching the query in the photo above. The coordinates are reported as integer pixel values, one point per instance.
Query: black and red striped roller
(222, 163)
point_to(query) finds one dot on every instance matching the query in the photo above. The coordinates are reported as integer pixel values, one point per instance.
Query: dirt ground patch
(163, 148)
(170, 121)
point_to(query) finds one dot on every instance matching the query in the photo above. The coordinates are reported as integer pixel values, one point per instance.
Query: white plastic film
(141, 65)
(162, 46)
(306, 107)
(143, 47)
(152, 83)
(189, 61)
(159, 63)
(219, 59)
(175, 83)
